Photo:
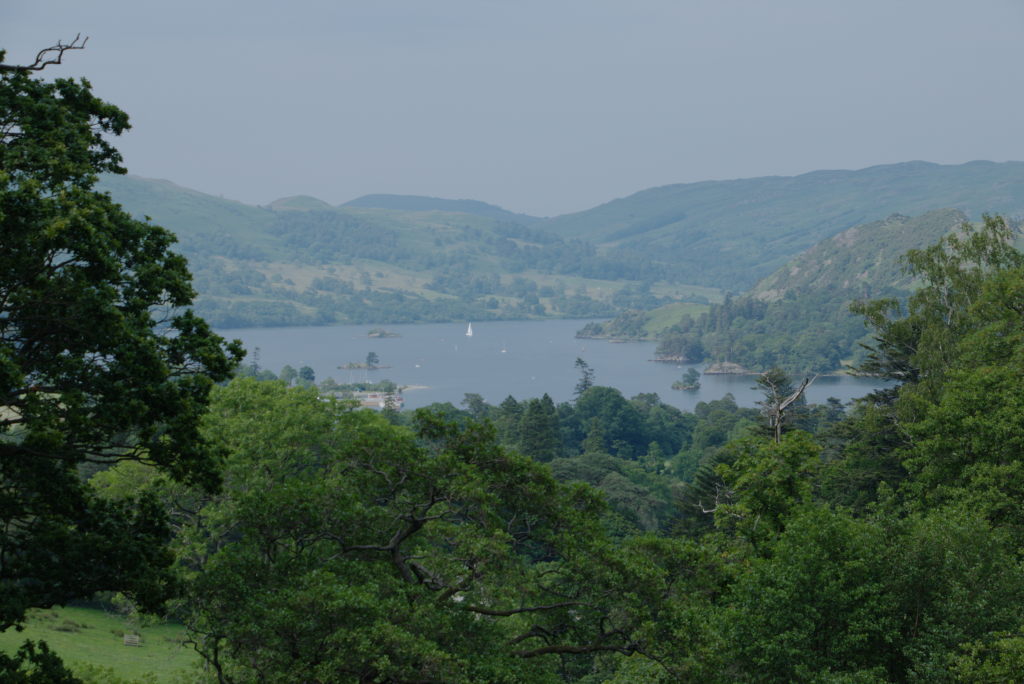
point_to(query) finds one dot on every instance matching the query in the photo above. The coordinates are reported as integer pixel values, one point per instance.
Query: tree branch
(46, 57)
(517, 611)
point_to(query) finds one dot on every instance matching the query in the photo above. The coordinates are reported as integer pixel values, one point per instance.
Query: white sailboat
(469, 330)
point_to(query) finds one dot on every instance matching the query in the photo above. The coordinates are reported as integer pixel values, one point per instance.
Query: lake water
(521, 358)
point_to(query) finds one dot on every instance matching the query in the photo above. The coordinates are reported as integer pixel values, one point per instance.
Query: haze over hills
(300, 261)
(730, 234)
(417, 203)
(397, 258)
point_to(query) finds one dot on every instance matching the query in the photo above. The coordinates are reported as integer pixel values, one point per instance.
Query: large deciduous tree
(344, 548)
(98, 361)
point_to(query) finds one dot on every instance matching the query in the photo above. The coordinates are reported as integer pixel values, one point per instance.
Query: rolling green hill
(417, 203)
(299, 203)
(397, 258)
(300, 261)
(730, 234)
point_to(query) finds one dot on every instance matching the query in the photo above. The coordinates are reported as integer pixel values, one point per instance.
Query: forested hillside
(394, 258)
(730, 234)
(387, 259)
(798, 318)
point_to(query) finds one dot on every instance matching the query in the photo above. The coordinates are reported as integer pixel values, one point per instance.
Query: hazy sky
(541, 106)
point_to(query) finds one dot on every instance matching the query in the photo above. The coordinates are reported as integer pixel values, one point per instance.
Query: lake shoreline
(435, 362)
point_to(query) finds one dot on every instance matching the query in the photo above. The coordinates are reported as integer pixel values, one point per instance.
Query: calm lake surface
(521, 358)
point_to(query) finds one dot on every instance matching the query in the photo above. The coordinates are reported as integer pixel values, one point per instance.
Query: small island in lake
(372, 363)
(378, 333)
(689, 381)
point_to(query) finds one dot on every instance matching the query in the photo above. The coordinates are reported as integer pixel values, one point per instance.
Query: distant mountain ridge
(732, 233)
(419, 203)
(299, 260)
(299, 203)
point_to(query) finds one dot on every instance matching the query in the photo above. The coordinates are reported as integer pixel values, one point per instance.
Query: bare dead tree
(776, 404)
(47, 56)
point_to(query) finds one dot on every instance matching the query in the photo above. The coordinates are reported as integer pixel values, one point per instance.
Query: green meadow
(91, 643)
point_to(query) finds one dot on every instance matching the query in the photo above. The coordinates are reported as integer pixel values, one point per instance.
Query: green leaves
(431, 553)
(766, 482)
(94, 368)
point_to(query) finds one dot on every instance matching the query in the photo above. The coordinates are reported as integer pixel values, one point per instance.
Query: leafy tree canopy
(344, 548)
(98, 362)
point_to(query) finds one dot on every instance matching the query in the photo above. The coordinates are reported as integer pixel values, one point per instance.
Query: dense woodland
(606, 539)
(805, 317)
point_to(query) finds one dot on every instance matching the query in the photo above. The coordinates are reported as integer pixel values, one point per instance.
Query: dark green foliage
(839, 597)
(318, 237)
(628, 325)
(805, 332)
(681, 347)
(922, 581)
(764, 481)
(34, 663)
(690, 380)
(344, 548)
(98, 361)
(539, 436)
(605, 409)
(716, 422)
(586, 377)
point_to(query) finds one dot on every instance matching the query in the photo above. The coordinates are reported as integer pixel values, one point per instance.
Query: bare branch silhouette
(47, 56)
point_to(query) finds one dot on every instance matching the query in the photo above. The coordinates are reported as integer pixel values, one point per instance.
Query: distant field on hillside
(399, 259)
(91, 643)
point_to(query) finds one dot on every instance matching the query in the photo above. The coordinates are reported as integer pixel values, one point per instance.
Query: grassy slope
(93, 638)
(187, 212)
(666, 316)
(756, 225)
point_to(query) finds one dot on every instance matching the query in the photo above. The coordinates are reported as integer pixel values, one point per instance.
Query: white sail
(469, 330)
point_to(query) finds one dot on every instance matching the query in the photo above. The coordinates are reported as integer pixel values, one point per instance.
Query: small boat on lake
(469, 330)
